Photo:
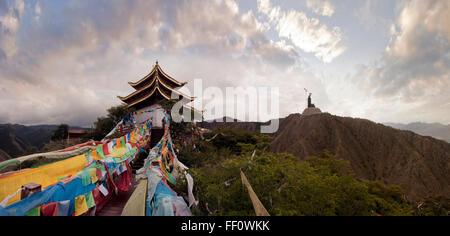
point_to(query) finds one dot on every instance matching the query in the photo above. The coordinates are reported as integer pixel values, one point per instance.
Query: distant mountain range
(15, 139)
(435, 130)
(419, 164)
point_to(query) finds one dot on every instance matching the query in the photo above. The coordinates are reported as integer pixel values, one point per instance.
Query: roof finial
(156, 62)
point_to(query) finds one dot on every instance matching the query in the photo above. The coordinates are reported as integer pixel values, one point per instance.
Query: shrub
(323, 185)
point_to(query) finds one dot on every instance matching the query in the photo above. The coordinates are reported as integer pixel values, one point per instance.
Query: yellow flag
(80, 205)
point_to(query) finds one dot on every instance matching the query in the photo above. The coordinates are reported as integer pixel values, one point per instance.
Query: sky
(383, 60)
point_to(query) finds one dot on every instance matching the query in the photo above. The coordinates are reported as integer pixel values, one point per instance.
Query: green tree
(104, 125)
(437, 206)
(239, 141)
(30, 150)
(116, 113)
(61, 133)
(323, 185)
(56, 145)
(389, 200)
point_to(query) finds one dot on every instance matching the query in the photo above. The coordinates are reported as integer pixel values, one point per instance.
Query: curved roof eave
(158, 69)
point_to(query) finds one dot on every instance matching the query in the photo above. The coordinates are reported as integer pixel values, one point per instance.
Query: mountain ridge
(436, 130)
(15, 138)
(419, 164)
(4, 156)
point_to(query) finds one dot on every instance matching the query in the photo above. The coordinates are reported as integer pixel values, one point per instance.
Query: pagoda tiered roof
(154, 87)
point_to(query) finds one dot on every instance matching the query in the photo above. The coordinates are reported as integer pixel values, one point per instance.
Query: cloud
(9, 26)
(414, 72)
(48, 103)
(67, 63)
(308, 34)
(420, 23)
(216, 25)
(321, 7)
(37, 11)
(276, 53)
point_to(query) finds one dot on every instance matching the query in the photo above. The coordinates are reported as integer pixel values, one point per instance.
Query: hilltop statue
(311, 109)
(310, 105)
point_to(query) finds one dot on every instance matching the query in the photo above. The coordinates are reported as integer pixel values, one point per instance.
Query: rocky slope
(420, 165)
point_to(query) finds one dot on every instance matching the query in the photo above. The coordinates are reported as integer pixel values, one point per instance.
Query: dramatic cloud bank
(308, 34)
(66, 61)
(414, 73)
(67, 64)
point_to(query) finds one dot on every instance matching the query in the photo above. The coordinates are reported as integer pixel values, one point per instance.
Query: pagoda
(152, 89)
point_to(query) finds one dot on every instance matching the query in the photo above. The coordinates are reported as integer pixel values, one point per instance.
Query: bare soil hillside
(420, 165)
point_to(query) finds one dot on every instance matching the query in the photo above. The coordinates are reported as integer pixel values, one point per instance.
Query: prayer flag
(80, 205)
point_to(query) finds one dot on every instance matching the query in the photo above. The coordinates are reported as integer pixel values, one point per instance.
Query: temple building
(150, 92)
(152, 89)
